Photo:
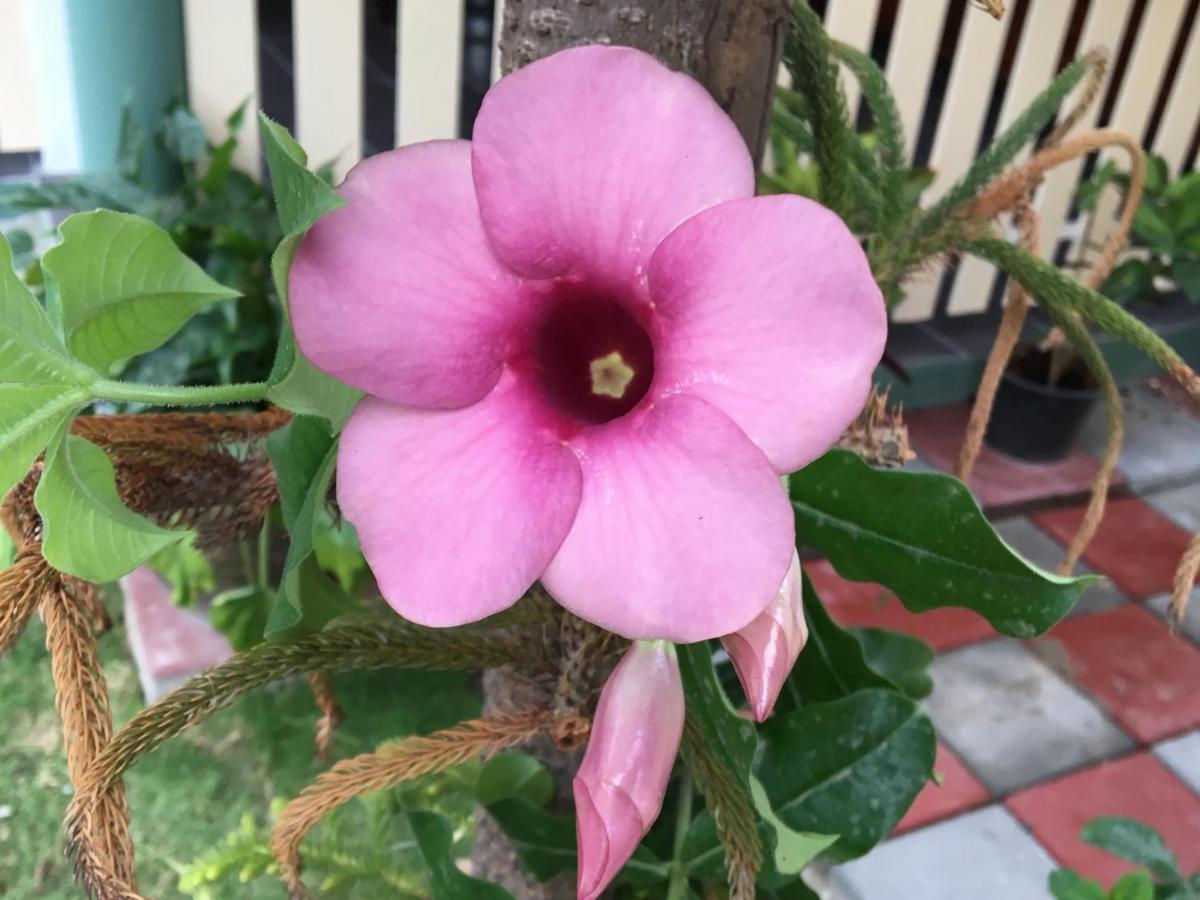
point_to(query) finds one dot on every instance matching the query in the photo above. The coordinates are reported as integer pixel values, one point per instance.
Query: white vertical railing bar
(1032, 69)
(328, 64)
(1136, 94)
(1103, 28)
(429, 69)
(853, 23)
(18, 97)
(916, 36)
(497, 30)
(222, 69)
(1183, 107)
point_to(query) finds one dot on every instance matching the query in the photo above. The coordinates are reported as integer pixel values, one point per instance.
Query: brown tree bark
(732, 47)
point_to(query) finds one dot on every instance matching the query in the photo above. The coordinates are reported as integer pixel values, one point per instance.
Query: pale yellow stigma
(611, 375)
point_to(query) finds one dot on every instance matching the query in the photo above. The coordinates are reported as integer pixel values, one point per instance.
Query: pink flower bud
(764, 652)
(620, 784)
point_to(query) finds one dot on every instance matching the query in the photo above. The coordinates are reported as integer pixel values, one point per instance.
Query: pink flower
(621, 782)
(589, 353)
(764, 652)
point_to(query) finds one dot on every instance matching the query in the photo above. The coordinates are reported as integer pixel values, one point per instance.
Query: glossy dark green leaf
(514, 775)
(87, 531)
(851, 767)
(900, 658)
(545, 844)
(1134, 841)
(832, 664)
(924, 537)
(1185, 272)
(435, 837)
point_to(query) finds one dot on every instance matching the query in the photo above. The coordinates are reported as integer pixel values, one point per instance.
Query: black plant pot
(1037, 422)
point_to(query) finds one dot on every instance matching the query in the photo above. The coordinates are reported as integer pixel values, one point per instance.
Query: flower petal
(585, 160)
(684, 530)
(773, 317)
(398, 292)
(458, 511)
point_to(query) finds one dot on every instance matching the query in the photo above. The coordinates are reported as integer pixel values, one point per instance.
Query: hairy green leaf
(851, 767)
(435, 837)
(87, 531)
(923, 536)
(30, 350)
(30, 414)
(123, 285)
(301, 197)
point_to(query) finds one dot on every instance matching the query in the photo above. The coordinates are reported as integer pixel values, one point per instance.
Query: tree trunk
(732, 47)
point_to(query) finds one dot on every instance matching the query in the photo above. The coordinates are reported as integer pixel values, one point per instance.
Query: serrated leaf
(435, 837)
(924, 537)
(30, 350)
(1134, 841)
(29, 417)
(87, 531)
(123, 286)
(851, 767)
(296, 384)
(301, 197)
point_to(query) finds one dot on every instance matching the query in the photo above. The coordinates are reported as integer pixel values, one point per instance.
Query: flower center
(594, 360)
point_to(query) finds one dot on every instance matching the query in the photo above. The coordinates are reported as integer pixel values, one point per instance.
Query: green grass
(193, 791)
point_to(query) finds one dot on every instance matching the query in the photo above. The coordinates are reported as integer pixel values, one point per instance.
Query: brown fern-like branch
(321, 684)
(1185, 578)
(388, 766)
(22, 586)
(737, 825)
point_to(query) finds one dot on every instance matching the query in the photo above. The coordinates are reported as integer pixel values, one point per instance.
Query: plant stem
(175, 395)
(677, 889)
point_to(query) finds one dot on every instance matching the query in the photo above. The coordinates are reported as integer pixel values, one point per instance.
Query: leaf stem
(176, 395)
(677, 889)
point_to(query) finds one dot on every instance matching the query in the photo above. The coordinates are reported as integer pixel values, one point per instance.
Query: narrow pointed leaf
(924, 537)
(87, 531)
(123, 286)
(301, 197)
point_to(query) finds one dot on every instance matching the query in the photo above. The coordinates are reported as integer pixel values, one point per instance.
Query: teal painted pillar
(124, 50)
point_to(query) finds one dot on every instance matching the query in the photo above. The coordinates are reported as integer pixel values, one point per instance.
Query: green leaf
(301, 197)
(304, 454)
(1129, 281)
(514, 775)
(545, 844)
(186, 569)
(30, 415)
(1185, 272)
(1132, 886)
(832, 664)
(924, 537)
(734, 741)
(435, 838)
(900, 658)
(1068, 885)
(1131, 840)
(241, 615)
(87, 531)
(183, 136)
(296, 384)
(30, 350)
(851, 767)
(123, 285)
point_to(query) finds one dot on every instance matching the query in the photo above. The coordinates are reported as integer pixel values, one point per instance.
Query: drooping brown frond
(879, 434)
(366, 645)
(731, 810)
(105, 862)
(321, 684)
(1185, 578)
(22, 586)
(388, 766)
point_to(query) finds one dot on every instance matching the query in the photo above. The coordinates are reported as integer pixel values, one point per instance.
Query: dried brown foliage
(321, 684)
